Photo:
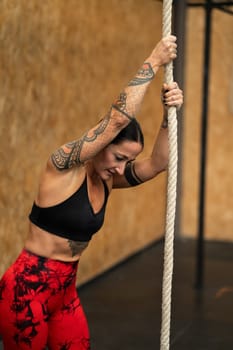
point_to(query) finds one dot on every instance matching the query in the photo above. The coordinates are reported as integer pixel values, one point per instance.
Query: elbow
(159, 165)
(120, 118)
(164, 164)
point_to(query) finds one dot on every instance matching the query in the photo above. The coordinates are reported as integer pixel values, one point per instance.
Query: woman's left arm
(146, 169)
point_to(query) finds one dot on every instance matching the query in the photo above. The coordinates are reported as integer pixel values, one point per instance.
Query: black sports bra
(73, 218)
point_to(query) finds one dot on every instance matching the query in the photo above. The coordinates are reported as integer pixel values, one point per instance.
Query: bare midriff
(51, 246)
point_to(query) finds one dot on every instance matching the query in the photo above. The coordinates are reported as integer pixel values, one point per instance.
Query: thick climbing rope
(171, 197)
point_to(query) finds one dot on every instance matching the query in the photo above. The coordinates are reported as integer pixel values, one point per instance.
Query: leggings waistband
(27, 253)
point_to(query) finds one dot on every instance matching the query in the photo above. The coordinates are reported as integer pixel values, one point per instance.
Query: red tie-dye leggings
(39, 306)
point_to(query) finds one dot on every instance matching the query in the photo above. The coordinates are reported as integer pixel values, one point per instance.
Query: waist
(49, 261)
(43, 243)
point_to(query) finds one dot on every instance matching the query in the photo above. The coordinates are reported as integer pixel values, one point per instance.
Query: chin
(105, 175)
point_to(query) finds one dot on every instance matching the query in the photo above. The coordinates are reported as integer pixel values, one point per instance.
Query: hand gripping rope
(171, 196)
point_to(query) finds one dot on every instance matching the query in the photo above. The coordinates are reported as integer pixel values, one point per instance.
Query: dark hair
(132, 132)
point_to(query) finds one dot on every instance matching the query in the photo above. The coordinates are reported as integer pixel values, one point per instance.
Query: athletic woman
(39, 305)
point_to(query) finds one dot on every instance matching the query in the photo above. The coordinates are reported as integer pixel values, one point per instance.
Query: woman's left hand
(172, 96)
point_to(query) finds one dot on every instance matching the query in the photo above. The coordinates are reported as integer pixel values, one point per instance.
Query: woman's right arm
(122, 111)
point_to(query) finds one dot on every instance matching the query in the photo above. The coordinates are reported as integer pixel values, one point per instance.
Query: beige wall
(219, 188)
(61, 64)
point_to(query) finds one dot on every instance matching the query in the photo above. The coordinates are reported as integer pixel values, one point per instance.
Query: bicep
(66, 156)
(91, 143)
(136, 173)
(76, 152)
(128, 179)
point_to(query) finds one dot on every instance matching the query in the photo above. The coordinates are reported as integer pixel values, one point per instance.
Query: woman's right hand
(164, 52)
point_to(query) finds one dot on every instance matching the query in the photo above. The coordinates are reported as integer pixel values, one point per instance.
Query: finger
(171, 86)
(171, 47)
(172, 38)
(173, 100)
(172, 50)
(165, 87)
(170, 44)
(172, 94)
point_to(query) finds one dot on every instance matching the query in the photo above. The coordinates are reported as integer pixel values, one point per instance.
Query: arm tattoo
(123, 112)
(65, 160)
(144, 75)
(120, 105)
(129, 100)
(99, 130)
(121, 101)
(131, 175)
(77, 247)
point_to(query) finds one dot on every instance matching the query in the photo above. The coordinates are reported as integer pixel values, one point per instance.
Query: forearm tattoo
(144, 75)
(66, 159)
(77, 247)
(130, 99)
(131, 175)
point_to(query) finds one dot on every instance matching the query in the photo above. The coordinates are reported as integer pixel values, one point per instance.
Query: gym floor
(123, 306)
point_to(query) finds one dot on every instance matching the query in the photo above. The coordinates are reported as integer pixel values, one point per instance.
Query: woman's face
(113, 158)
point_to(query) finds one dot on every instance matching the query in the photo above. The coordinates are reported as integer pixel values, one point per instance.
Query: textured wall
(219, 188)
(61, 65)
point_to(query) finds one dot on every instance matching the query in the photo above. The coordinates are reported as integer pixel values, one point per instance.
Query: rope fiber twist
(171, 196)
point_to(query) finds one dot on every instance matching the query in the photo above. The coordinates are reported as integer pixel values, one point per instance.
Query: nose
(121, 168)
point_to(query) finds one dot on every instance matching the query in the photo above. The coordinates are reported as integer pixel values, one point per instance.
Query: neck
(91, 173)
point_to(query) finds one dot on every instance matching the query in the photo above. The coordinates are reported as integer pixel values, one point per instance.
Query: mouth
(110, 172)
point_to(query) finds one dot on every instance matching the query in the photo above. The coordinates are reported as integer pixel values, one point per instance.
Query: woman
(39, 305)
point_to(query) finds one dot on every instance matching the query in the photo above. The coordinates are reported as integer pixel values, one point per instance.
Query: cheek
(106, 159)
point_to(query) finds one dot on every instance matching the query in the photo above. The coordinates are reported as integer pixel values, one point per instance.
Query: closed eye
(120, 159)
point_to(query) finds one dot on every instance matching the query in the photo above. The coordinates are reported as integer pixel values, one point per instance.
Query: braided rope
(171, 197)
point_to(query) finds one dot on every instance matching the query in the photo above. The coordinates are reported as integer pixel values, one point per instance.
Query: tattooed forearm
(129, 101)
(144, 75)
(77, 247)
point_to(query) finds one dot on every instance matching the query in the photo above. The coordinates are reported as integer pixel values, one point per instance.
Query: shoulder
(56, 185)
